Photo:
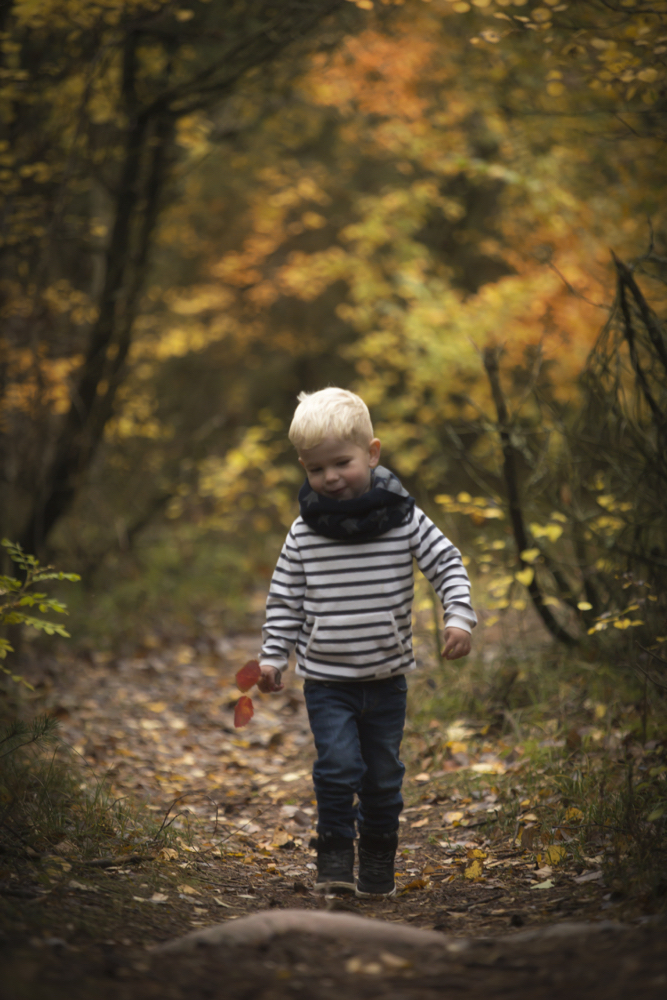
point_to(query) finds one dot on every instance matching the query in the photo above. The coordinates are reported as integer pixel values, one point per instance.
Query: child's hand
(457, 643)
(270, 680)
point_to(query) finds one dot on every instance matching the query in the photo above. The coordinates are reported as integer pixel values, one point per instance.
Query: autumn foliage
(246, 678)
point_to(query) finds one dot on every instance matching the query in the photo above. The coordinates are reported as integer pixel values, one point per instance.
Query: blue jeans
(357, 726)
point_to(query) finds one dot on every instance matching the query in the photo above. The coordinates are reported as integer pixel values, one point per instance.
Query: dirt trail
(240, 810)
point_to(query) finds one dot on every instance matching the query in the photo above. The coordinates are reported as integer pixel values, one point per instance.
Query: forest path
(237, 807)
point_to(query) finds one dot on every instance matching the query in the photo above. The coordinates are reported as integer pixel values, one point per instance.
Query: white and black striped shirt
(347, 608)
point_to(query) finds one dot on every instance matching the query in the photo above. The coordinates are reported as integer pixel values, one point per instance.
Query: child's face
(340, 470)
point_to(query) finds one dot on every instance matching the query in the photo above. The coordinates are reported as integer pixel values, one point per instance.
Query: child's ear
(374, 452)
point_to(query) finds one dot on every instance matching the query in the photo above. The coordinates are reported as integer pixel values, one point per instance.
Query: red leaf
(248, 675)
(243, 712)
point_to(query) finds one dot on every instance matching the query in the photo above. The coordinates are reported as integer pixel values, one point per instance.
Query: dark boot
(335, 862)
(377, 852)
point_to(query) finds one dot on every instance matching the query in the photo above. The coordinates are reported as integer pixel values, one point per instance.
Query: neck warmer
(387, 504)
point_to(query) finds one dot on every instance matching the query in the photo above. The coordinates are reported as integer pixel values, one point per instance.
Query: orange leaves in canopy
(243, 712)
(378, 74)
(246, 677)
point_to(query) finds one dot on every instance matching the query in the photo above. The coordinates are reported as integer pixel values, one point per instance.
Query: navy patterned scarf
(387, 504)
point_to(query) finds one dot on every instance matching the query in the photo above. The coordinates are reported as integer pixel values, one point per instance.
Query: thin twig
(658, 684)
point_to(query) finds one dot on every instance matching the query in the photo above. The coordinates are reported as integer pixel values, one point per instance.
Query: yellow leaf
(555, 88)
(457, 746)
(648, 75)
(530, 555)
(474, 869)
(455, 816)
(555, 853)
(584, 606)
(187, 889)
(553, 531)
(525, 576)
(157, 706)
(491, 621)
(476, 853)
(168, 854)
(573, 815)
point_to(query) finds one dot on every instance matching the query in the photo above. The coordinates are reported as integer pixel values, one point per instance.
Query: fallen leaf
(187, 889)
(168, 854)
(281, 837)
(573, 815)
(81, 885)
(589, 877)
(474, 869)
(555, 854)
(489, 767)
(243, 712)
(452, 817)
(158, 897)
(417, 883)
(394, 961)
(420, 822)
(157, 706)
(547, 884)
(423, 777)
(186, 847)
(248, 675)
(476, 853)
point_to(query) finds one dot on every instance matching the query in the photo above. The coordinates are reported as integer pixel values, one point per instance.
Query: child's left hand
(457, 643)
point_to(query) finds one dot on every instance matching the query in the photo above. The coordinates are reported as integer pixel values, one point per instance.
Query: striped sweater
(346, 608)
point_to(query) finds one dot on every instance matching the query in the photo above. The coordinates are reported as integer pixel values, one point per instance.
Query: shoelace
(376, 863)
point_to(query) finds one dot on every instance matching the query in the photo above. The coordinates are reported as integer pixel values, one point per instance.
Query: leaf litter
(239, 813)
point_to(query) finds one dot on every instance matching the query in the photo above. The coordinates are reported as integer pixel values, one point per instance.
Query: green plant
(18, 594)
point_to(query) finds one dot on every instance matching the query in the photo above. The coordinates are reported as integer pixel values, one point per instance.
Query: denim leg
(357, 728)
(333, 710)
(380, 733)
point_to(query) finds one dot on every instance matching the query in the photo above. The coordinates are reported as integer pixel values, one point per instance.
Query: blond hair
(331, 412)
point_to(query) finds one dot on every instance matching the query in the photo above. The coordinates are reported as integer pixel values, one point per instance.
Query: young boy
(341, 596)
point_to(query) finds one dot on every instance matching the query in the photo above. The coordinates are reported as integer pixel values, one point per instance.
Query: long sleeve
(284, 606)
(440, 562)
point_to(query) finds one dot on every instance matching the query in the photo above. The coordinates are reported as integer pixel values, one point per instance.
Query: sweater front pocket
(370, 641)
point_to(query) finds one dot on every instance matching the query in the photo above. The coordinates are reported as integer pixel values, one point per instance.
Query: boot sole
(326, 886)
(374, 895)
